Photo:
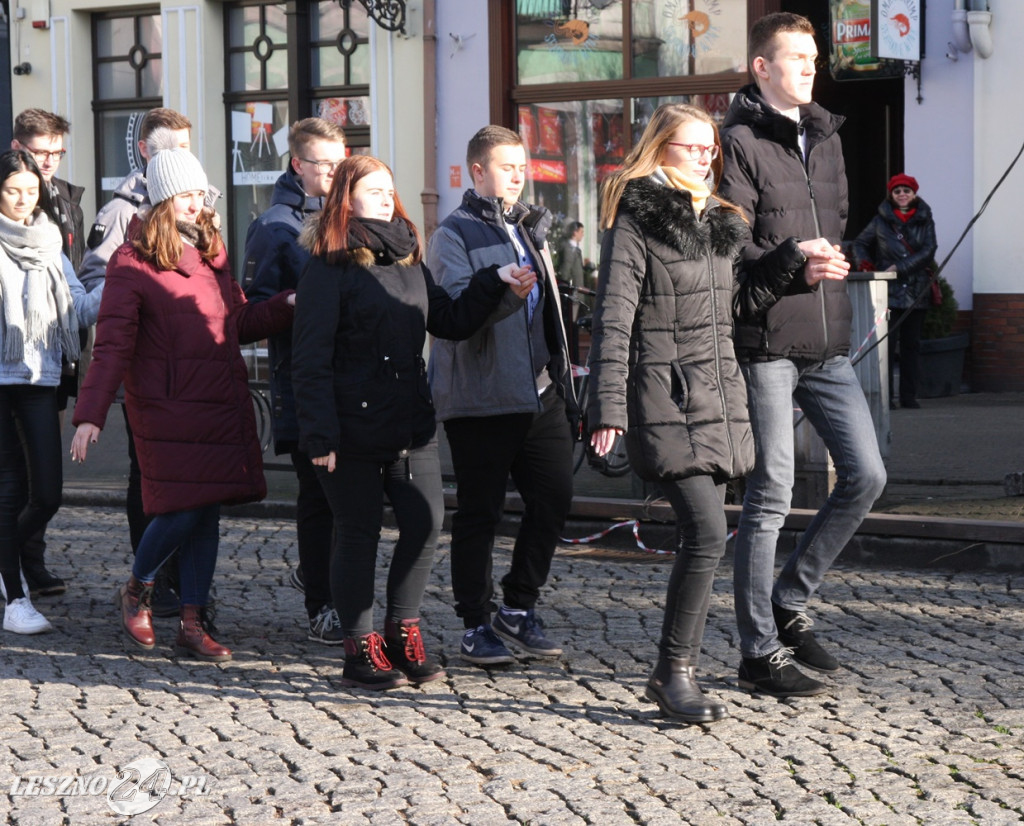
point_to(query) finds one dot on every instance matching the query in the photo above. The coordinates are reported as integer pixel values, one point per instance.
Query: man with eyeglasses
(783, 165)
(41, 134)
(274, 260)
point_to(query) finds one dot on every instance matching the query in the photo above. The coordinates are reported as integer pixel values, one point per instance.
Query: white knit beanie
(173, 171)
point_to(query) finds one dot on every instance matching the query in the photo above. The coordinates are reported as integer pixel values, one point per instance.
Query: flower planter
(942, 366)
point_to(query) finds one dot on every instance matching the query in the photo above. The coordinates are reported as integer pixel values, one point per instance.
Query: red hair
(332, 236)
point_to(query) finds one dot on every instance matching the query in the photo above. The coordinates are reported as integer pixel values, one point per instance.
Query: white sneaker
(21, 618)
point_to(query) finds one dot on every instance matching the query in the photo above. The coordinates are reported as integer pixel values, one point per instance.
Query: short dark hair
(481, 144)
(311, 129)
(761, 41)
(34, 122)
(18, 160)
(573, 227)
(159, 117)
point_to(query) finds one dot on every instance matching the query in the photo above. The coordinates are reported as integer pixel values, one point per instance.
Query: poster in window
(896, 29)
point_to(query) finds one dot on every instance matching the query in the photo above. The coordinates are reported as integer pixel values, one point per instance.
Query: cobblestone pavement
(925, 726)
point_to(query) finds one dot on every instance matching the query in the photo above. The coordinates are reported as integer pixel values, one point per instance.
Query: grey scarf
(37, 308)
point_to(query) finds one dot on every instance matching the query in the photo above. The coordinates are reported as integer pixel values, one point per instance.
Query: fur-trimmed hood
(667, 215)
(360, 256)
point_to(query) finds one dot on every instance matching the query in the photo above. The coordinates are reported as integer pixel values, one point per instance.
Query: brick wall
(996, 355)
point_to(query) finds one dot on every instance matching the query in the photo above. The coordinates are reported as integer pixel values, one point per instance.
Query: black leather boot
(673, 687)
(403, 645)
(367, 666)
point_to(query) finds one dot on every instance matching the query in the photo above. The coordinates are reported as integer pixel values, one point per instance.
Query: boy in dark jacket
(274, 260)
(784, 168)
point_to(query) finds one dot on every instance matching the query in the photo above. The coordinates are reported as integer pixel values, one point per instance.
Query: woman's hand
(86, 435)
(327, 461)
(601, 440)
(519, 279)
(291, 300)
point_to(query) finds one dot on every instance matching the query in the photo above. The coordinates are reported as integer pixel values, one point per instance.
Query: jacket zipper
(817, 232)
(718, 354)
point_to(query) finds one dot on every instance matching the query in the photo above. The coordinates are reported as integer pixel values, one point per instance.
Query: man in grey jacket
(502, 396)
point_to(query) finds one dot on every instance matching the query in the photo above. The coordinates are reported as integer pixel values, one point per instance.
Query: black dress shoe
(41, 583)
(673, 687)
(911, 404)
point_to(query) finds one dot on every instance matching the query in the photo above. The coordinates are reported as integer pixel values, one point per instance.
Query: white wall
(463, 103)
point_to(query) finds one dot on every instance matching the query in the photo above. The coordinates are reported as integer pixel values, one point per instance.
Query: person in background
(663, 370)
(43, 307)
(783, 166)
(41, 134)
(170, 324)
(161, 128)
(365, 305)
(274, 260)
(570, 262)
(901, 239)
(506, 399)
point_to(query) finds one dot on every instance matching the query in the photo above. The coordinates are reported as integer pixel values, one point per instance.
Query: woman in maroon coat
(169, 327)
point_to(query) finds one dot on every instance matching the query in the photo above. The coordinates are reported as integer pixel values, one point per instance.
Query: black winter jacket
(68, 203)
(783, 197)
(358, 372)
(274, 259)
(879, 246)
(661, 359)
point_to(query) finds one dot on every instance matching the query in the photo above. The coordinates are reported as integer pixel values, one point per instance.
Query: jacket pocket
(679, 390)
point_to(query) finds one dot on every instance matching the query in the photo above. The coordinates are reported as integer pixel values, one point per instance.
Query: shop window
(127, 82)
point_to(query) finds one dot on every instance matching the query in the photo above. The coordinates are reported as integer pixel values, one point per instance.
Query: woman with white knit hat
(170, 325)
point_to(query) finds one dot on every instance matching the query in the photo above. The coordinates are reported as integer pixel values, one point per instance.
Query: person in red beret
(901, 239)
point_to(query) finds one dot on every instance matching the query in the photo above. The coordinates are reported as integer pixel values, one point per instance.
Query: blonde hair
(645, 157)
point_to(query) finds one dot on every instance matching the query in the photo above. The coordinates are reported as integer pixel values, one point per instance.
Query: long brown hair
(332, 235)
(160, 242)
(646, 156)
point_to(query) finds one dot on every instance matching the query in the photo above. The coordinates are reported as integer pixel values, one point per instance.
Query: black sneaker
(774, 674)
(481, 646)
(41, 583)
(526, 631)
(325, 627)
(297, 580)
(795, 633)
(165, 598)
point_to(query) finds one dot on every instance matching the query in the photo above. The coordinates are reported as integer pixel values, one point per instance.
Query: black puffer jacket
(880, 246)
(765, 175)
(661, 359)
(357, 368)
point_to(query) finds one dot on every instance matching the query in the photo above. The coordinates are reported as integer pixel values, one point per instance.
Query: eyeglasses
(902, 190)
(42, 156)
(323, 167)
(694, 151)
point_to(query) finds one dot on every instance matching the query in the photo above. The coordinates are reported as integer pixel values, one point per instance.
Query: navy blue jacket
(273, 262)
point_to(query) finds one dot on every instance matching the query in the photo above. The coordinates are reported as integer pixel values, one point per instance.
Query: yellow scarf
(697, 187)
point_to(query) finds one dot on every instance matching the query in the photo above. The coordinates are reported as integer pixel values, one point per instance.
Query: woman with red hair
(365, 304)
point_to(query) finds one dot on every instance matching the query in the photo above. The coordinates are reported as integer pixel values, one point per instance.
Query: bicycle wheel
(580, 381)
(615, 463)
(261, 408)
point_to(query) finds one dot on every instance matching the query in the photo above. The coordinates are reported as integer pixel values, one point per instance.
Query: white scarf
(38, 310)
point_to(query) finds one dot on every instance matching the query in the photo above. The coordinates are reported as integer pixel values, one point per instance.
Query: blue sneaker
(525, 631)
(481, 646)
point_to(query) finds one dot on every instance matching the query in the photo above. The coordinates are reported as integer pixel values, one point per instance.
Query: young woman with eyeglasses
(662, 366)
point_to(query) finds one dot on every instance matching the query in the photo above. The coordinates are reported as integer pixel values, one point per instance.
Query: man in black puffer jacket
(784, 168)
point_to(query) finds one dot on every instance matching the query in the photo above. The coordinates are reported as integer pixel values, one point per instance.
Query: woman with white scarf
(43, 305)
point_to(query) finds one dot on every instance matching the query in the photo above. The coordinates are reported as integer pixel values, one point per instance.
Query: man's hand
(824, 260)
(86, 435)
(519, 279)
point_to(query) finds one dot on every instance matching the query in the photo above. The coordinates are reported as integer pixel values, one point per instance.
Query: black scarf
(392, 239)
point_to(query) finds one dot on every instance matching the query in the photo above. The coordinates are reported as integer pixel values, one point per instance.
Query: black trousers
(909, 338)
(701, 532)
(536, 449)
(29, 438)
(314, 525)
(355, 491)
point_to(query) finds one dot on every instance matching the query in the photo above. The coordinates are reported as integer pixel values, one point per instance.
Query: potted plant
(942, 351)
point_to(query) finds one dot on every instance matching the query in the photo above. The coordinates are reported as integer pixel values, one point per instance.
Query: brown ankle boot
(193, 641)
(133, 598)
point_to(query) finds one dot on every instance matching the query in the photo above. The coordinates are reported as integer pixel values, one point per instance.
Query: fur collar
(360, 256)
(667, 216)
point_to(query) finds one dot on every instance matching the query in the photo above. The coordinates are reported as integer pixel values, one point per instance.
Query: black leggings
(698, 503)
(355, 491)
(28, 425)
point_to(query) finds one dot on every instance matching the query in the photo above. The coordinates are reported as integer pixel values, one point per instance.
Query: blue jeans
(831, 398)
(196, 533)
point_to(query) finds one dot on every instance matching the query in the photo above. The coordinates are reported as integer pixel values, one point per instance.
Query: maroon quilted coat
(173, 338)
